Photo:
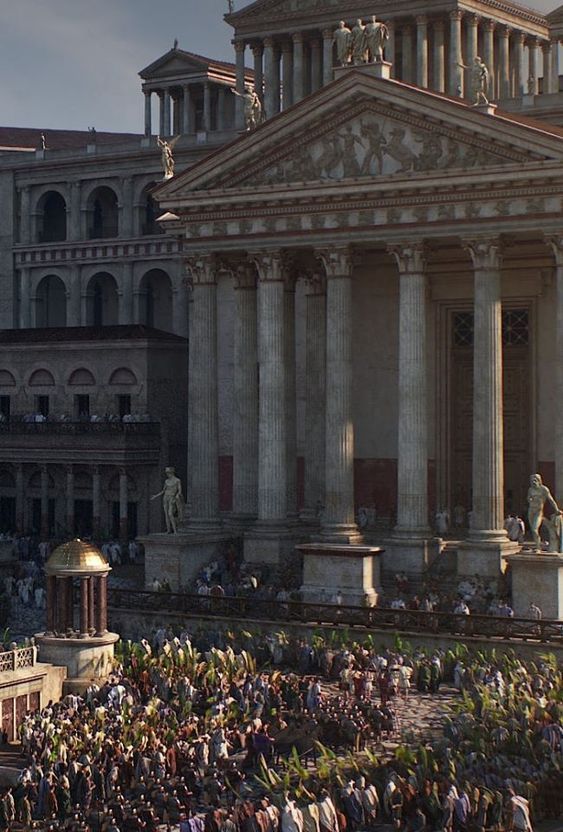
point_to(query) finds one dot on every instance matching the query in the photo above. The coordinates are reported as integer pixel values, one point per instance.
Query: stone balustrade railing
(18, 659)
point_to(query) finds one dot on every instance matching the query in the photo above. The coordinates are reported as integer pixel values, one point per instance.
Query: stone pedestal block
(483, 558)
(355, 571)
(404, 554)
(538, 578)
(86, 659)
(380, 69)
(265, 544)
(179, 558)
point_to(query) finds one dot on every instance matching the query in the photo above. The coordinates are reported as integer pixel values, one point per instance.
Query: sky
(73, 63)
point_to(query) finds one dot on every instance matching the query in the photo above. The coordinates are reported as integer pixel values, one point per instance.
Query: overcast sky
(74, 63)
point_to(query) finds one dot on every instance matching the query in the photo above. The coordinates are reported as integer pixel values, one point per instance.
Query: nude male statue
(538, 495)
(171, 500)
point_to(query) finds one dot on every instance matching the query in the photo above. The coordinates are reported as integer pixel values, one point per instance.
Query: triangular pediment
(176, 62)
(364, 130)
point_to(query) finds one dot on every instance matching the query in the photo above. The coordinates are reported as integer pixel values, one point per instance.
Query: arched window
(103, 213)
(51, 226)
(81, 377)
(156, 300)
(41, 378)
(123, 376)
(7, 379)
(102, 308)
(50, 302)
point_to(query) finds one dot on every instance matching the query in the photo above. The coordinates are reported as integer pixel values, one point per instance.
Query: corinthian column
(547, 70)
(338, 521)
(245, 421)
(407, 73)
(422, 50)
(287, 64)
(257, 51)
(489, 54)
(240, 74)
(503, 59)
(517, 58)
(532, 87)
(488, 473)
(203, 432)
(328, 72)
(438, 67)
(290, 279)
(412, 472)
(455, 77)
(298, 67)
(271, 91)
(315, 392)
(557, 248)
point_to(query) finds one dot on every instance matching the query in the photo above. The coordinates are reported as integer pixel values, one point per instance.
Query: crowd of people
(225, 733)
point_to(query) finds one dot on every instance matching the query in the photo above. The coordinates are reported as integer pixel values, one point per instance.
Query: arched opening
(50, 302)
(150, 211)
(103, 213)
(102, 306)
(52, 218)
(155, 298)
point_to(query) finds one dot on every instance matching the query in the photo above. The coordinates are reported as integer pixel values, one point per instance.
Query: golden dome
(77, 557)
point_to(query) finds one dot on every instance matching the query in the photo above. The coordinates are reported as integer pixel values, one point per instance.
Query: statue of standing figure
(376, 34)
(166, 155)
(172, 500)
(479, 81)
(538, 495)
(359, 44)
(253, 113)
(343, 41)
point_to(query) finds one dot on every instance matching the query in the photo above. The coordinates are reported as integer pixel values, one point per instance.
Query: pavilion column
(207, 107)
(455, 83)
(557, 248)
(68, 606)
(554, 83)
(101, 611)
(245, 382)
(315, 392)
(547, 55)
(96, 519)
(389, 47)
(203, 430)
(166, 104)
(316, 64)
(70, 500)
(298, 66)
(328, 73)
(488, 474)
(504, 64)
(91, 603)
(240, 77)
(52, 603)
(438, 66)
(44, 531)
(338, 520)
(520, 85)
(489, 54)
(20, 499)
(25, 297)
(422, 50)
(123, 507)
(258, 52)
(84, 613)
(412, 469)
(60, 613)
(220, 108)
(287, 62)
(407, 68)
(290, 279)
(187, 124)
(532, 87)
(148, 112)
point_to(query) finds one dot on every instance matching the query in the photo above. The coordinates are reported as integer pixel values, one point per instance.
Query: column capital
(546, 45)
(239, 45)
(147, 93)
(533, 42)
(489, 25)
(43, 468)
(287, 47)
(473, 19)
(95, 470)
(122, 472)
(328, 34)
(201, 269)
(337, 260)
(555, 41)
(297, 37)
(245, 276)
(409, 257)
(421, 20)
(438, 25)
(269, 265)
(269, 42)
(315, 283)
(257, 48)
(519, 36)
(455, 14)
(315, 43)
(484, 252)
(69, 467)
(504, 30)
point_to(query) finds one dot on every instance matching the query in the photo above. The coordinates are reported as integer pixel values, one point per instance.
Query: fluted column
(472, 33)
(20, 499)
(389, 52)
(44, 531)
(298, 66)
(407, 68)
(520, 86)
(547, 55)
(554, 84)
(557, 248)
(166, 105)
(532, 87)
(187, 124)
(503, 61)
(271, 88)
(488, 473)
(287, 63)
(489, 54)
(258, 53)
(438, 66)
(161, 127)
(239, 75)
(412, 469)
(328, 72)
(203, 431)
(123, 506)
(96, 503)
(315, 396)
(316, 64)
(290, 278)
(422, 51)
(272, 454)
(148, 112)
(207, 107)
(245, 415)
(70, 499)
(338, 519)
(455, 83)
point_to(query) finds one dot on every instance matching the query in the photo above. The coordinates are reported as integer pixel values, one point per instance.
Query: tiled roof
(86, 333)
(22, 138)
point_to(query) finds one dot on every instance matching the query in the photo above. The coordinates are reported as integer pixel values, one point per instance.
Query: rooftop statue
(253, 113)
(376, 34)
(479, 81)
(343, 41)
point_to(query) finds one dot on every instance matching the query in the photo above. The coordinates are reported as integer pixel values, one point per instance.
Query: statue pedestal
(378, 69)
(537, 577)
(179, 558)
(407, 554)
(483, 557)
(355, 571)
(87, 660)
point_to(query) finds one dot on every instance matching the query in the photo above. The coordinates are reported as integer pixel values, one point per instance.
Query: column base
(202, 525)
(354, 572)
(269, 543)
(179, 558)
(343, 534)
(483, 554)
(537, 578)
(407, 552)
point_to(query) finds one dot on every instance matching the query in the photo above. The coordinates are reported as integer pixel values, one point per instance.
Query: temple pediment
(177, 62)
(366, 129)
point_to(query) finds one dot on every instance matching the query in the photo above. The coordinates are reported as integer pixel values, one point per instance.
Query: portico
(402, 203)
